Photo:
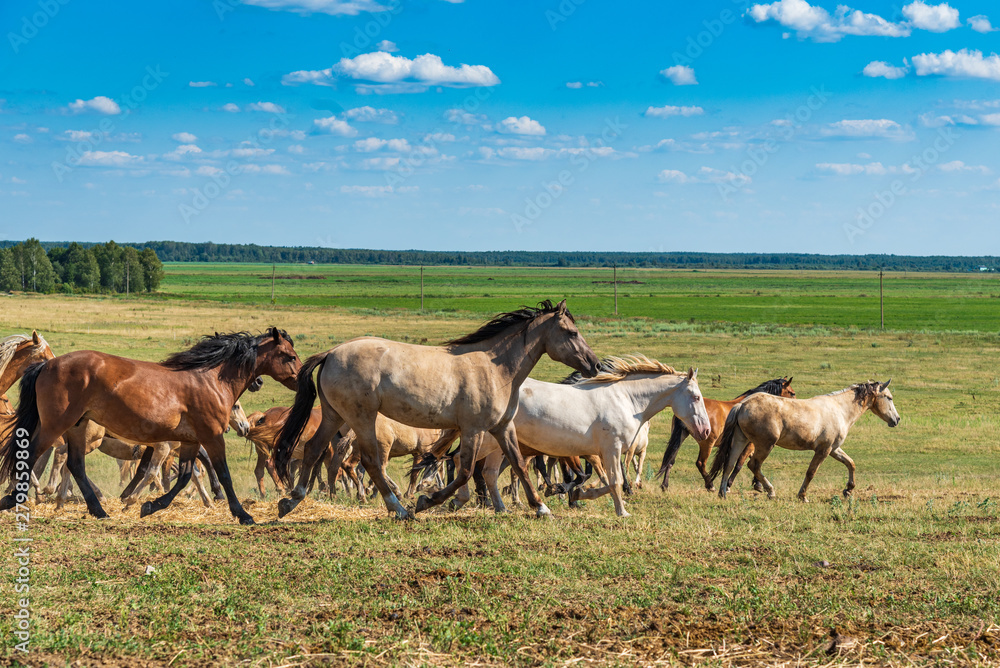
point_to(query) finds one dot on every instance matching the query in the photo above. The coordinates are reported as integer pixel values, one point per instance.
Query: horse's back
(791, 423)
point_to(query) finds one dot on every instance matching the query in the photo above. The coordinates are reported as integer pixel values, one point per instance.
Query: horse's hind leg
(506, 436)
(216, 449)
(760, 483)
(213, 478)
(842, 457)
(58, 470)
(311, 453)
(491, 471)
(373, 457)
(76, 466)
(468, 450)
(140, 475)
(188, 452)
(704, 448)
(810, 472)
(739, 444)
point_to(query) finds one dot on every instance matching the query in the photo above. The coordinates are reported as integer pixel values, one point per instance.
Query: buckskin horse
(470, 383)
(718, 411)
(186, 398)
(819, 424)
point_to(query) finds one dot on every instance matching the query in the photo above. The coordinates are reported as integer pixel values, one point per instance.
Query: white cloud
(230, 107)
(668, 111)
(387, 46)
(109, 159)
(574, 84)
(335, 126)
(22, 138)
(672, 176)
(439, 138)
(331, 7)
(879, 68)
(850, 169)
(367, 191)
(384, 68)
(269, 107)
(368, 114)
(580, 84)
(18, 181)
(935, 18)
(520, 126)
(964, 63)
(182, 151)
(202, 84)
(704, 175)
(981, 23)
(959, 166)
(264, 169)
(379, 163)
(317, 77)
(248, 82)
(78, 135)
(250, 153)
(990, 119)
(185, 138)
(881, 128)
(296, 149)
(99, 104)
(810, 22)
(526, 153)
(207, 170)
(679, 75)
(464, 117)
(375, 144)
(929, 120)
(537, 153)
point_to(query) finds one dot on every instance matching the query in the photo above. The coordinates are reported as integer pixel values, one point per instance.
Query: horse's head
(35, 349)
(690, 407)
(564, 343)
(276, 357)
(786, 388)
(882, 404)
(238, 420)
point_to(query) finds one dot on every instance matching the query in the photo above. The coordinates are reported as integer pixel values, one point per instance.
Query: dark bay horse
(187, 397)
(718, 411)
(470, 384)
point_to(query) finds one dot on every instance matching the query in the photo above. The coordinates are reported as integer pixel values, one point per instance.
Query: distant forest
(33, 266)
(175, 251)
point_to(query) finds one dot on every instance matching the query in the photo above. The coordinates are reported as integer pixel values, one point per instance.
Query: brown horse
(819, 424)
(718, 411)
(186, 398)
(264, 430)
(17, 353)
(470, 384)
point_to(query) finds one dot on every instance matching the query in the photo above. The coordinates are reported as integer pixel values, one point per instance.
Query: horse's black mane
(769, 386)
(238, 351)
(576, 376)
(505, 320)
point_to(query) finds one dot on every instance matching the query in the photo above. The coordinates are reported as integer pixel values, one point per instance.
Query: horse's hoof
(624, 513)
(247, 521)
(423, 503)
(847, 493)
(803, 499)
(219, 497)
(543, 512)
(285, 506)
(146, 509)
(574, 497)
(102, 516)
(7, 502)
(405, 516)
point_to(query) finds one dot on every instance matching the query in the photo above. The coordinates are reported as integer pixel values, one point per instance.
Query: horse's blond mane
(9, 346)
(617, 368)
(861, 391)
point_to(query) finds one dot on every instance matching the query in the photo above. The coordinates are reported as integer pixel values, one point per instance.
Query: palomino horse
(718, 411)
(17, 353)
(186, 398)
(470, 384)
(601, 416)
(819, 424)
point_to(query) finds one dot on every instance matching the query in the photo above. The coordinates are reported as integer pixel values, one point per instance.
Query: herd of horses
(380, 399)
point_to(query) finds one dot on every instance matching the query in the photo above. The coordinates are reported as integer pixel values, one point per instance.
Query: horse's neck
(851, 409)
(651, 394)
(515, 351)
(13, 371)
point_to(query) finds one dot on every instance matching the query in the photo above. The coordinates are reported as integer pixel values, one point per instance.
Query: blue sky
(564, 124)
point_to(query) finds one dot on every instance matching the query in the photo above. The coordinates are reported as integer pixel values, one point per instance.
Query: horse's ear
(35, 338)
(692, 373)
(789, 381)
(275, 334)
(885, 385)
(561, 307)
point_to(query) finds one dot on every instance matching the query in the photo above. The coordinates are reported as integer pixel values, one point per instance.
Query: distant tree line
(32, 266)
(176, 251)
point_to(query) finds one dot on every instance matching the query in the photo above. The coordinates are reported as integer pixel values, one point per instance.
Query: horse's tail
(305, 396)
(725, 443)
(24, 426)
(678, 432)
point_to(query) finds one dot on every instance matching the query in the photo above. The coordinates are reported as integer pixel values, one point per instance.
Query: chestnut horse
(470, 384)
(819, 424)
(17, 353)
(718, 411)
(186, 398)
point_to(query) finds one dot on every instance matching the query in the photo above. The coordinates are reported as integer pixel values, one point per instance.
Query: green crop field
(917, 302)
(906, 572)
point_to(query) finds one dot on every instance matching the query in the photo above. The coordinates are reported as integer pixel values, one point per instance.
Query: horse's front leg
(216, 449)
(842, 457)
(187, 453)
(811, 471)
(313, 450)
(491, 471)
(506, 436)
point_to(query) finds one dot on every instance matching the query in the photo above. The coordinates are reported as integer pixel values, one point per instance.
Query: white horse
(602, 416)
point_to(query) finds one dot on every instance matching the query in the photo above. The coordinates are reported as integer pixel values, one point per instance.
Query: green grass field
(913, 559)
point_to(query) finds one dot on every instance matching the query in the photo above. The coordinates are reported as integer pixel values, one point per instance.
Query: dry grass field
(907, 572)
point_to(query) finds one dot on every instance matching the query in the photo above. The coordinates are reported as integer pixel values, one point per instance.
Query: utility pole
(128, 265)
(616, 287)
(272, 282)
(421, 287)
(881, 300)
